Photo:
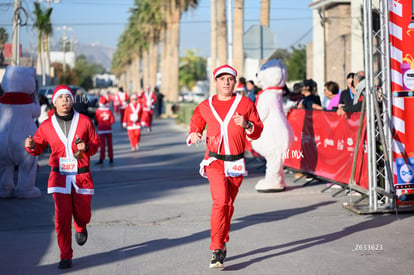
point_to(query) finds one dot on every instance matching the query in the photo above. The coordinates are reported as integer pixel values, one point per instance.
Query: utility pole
(16, 33)
(230, 32)
(324, 20)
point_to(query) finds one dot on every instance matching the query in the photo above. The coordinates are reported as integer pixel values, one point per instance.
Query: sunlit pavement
(151, 216)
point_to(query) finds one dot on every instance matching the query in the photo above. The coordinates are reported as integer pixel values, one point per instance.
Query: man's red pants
(134, 137)
(147, 118)
(67, 205)
(121, 115)
(223, 192)
(106, 139)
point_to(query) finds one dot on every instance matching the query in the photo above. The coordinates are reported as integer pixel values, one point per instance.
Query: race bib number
(134, 117)
(68, 166)
(235, 168)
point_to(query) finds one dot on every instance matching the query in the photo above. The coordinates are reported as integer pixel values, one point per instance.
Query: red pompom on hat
(61, 90)
(225, 69)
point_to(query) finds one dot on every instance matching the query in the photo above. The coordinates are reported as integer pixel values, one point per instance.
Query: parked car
(196, 97)
(47, 91)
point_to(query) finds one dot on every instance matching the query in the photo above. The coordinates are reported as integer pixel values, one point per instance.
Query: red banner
(324, 145)
(401, 30)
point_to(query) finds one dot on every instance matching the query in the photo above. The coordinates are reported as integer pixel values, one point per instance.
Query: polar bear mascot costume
(277, 135)
(18, 108)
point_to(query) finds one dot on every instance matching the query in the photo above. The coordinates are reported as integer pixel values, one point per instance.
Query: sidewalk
(150, 215)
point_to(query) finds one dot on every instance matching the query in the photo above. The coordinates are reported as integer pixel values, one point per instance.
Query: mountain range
(96, 53)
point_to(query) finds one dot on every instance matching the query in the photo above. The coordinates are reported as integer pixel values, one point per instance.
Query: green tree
(282, 54)
(296, 63)
(44, 30)
(68, 78)
(85, 70)
(192, 69)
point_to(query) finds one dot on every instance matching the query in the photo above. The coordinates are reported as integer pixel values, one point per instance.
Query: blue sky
(102, 21)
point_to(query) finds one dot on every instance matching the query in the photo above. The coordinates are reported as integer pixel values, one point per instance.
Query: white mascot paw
(264, 186)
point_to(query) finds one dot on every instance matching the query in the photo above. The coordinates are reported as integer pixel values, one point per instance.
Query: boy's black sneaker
(111, 162)
(100, 162)
(82, 237)
(65, 264)
(217, 259)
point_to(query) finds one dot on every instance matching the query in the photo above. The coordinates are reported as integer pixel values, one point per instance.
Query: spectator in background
(251, 90)
(159, 104)
(331, 90)
(310, 99)
(349, 101)
(44, 109)
(81, 103)
(241, 86)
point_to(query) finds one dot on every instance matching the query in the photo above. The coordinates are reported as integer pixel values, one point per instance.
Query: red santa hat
(62, 90)
(103, 100)
(240, 87)
(225, 69)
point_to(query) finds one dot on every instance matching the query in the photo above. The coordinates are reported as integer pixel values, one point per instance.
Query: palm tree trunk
(164, 63)
(265, 13)
(238, 53)
(213, 45)
(136, 74)
(173, 52)
(47, 56)
(221, 32)
(145, 67)
(122, 80)
(153, 63)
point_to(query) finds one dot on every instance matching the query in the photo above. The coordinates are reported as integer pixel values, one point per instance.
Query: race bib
(235, 168)
(133, 117)
(68, 166)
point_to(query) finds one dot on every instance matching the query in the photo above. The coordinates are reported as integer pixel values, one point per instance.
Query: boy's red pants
(66, 205)
(223, 192)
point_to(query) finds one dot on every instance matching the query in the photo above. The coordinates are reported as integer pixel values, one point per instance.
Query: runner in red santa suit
(132, 122)
(72, 139)
(229, 118)
(148, 100)
(105, 118)
(121, 102)
(116, 101)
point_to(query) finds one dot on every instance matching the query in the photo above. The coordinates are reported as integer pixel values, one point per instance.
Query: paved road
(151, 216)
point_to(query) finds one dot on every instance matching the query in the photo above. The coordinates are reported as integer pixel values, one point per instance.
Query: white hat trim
(224, 71)
(61, 92)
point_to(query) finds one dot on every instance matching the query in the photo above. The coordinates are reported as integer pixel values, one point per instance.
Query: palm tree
(4, 36)
(44, 30)
(151, 22)
(265, 13)
(173, 12)
(221, 32)
(238, 53)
